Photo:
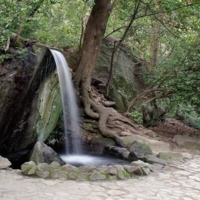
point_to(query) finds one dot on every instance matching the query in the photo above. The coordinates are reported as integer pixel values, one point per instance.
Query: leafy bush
(188, 115)
(137, 116)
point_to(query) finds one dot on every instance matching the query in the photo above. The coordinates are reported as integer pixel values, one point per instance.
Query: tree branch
(161, 12)
(120, 42)
(113, 5)
(143, 95)
(7, 44)
(114, 31)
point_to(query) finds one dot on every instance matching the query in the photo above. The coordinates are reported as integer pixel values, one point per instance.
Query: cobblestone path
(177, 181)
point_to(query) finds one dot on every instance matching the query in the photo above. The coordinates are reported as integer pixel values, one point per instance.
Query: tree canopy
(165, 33)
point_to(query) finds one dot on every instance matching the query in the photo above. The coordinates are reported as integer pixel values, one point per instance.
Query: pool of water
(96, 160)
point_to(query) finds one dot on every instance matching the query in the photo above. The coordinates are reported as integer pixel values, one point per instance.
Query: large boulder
(48, 107)
(30, 108)
(127, 80)
(15, 78)
(44, 154)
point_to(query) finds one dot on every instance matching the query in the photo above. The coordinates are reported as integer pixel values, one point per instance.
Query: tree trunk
(154, 44)
(94, 33)
(95, 30)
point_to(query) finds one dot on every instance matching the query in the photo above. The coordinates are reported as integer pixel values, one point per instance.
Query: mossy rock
(121, 91)
(127, 80)
(140, 149)
(49, 107)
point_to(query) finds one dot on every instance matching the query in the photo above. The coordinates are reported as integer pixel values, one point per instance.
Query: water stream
(69, 104)
(73, 152)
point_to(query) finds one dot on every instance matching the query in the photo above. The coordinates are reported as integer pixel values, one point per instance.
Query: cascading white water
(71, 118)
(69, 104)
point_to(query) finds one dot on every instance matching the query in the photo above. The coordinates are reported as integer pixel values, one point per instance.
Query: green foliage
(137, 116)
(188, 115)
(4, 57)
(59, 23)
(52, 22)
(62, 28)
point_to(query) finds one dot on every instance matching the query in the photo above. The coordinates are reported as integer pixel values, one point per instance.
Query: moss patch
(50, 107)
(121, 91)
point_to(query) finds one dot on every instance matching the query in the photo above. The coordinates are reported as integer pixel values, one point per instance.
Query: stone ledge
(86, 173)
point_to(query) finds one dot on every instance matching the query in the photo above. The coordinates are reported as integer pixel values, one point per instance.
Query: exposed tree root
(106, 116)
(111, 124)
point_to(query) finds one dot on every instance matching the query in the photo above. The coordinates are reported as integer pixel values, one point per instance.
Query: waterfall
(73, 153)
(69, 104)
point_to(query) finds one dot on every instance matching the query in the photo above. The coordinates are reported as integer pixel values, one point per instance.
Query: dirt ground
(170, 127)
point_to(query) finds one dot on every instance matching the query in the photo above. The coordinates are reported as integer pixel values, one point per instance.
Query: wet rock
(102, 142)
(120, 152)
(4, 163)
(49, 108)
(44, 154)
(132, 156)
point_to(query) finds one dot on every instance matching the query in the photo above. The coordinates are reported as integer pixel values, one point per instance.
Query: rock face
(89, 173)
(31, 107)
(49, 107)
(43, 154)
(127, 80)
(15, 78)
